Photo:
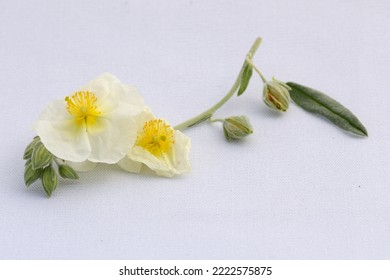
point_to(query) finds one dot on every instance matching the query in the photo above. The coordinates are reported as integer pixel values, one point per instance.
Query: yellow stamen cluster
(157, 137)
(82, 106)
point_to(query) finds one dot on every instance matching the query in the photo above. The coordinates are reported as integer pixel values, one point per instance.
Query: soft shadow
(258, 107)
(266, 112)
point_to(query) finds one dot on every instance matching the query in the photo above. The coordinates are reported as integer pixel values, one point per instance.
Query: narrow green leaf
(40, 157)
(67, 172)
(29, 149)
(246, 76)
(317, 102)
(49, 180)
(31, 175)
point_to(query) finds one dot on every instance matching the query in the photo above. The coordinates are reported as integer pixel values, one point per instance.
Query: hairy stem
(208, 113)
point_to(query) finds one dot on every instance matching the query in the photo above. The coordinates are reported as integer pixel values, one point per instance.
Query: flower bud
(49, 180)
(29, 149)
(31, 175)
(237, 127)
(40, 156)
(67, 172)
(276, 95)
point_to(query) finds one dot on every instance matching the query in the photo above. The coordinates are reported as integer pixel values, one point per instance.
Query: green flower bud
(40, 156)
(67, 172)
(236, 127)
(49, 180)
(31, 175)
(29, 149)
(276, 95)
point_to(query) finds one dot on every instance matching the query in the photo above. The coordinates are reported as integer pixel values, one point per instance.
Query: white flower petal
(116, 132)
(143, 117)
(156, 164)
(60, 135)
(101, 85)
(181, 149)
(128, 95)
(112, 94)
(112, 139)
(130, 165)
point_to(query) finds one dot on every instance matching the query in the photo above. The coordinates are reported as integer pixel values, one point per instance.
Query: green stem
(208, 113)
(216, 120)
(250, 61)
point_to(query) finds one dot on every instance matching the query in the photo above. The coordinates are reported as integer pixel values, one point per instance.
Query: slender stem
(250, 61)
(215, 120)
(208, 113)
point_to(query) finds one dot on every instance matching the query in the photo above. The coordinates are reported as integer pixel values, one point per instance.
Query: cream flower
(159, 147)
(96, 123)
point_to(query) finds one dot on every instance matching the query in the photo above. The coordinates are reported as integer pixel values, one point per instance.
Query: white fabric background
(299, 188)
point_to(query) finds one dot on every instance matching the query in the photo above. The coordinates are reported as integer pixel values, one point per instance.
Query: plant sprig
(40, 165)
(40, 162)
(277, 95)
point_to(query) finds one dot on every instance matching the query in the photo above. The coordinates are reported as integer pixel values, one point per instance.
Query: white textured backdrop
(298, 188)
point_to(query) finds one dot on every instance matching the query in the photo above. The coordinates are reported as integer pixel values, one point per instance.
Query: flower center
(82, 106)
(157, 137)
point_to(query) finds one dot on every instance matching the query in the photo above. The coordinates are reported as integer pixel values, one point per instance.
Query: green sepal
(29, 149)
(49, 180)
(31, 175)
(67, 172)
(246, 76)
(40, 157)
(319, 103)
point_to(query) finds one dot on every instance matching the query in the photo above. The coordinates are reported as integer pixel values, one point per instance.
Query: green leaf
(31, 175)
(246, 76)
(40, 157)
(29, 149)
(67, 172)
(317, 102)
(49, 180)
